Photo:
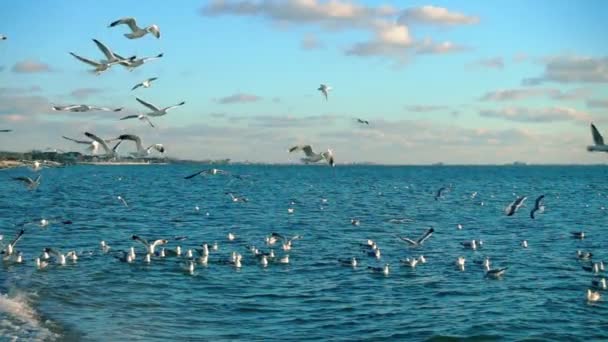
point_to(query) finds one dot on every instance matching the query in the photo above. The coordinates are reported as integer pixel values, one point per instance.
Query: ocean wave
(18, 320)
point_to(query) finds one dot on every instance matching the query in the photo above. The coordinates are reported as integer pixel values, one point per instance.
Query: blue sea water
(99, 298)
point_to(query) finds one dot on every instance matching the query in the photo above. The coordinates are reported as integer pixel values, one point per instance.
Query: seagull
(420, 240)
(3, 37)
(132, 63)
(103, 65)
(384, 270)
(440, 192)
(355, 222)
(578, 235)
(110, 152)
(124, 202)
(150, 246)
(146, 84)
(93, 145)
(598, 141)
(599, 284)
(524, 244)
(352, 262)
(460, 263)
(141, 151)
(264, 261)
(60, 258)
(363, 121)
(111, 57)
(235, 198)
(584, 255)
(31, 183)
(284, 260)
(324, 89)
(207, 172)
(287, 242)
(594, 267)
(104, 246)
(593, 296)
(411, 262)
(538, 206)
(312, 157)
(5, 130)
(136, 31)
(231, 237)
(41, 264)
(10, 248)
(473, 244)
(158, 111)
(142, 117)
(495, 272)
(512, 208)
(81, 108)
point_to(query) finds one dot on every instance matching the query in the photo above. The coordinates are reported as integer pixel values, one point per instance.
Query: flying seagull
(110, 152)
(312, 157)
(3, 37)
(512, 208)
(150, 246)
(5, 130)
(111, 57)
(538, 206)
(363, 121)
(156, 111)
(207, 172)
(31, 183)
(133, 63)
(141, 151)
(103, 65)
(420, 240)
(325, 90)
(440, 192)
(146, 84)
(81, 108)
(93, 145)
(598, 141)
(136, 31)
(142, 117)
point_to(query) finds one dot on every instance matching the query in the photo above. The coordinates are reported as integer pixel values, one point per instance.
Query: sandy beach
(5, 164)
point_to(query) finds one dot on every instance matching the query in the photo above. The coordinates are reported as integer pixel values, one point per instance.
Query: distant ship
(518, 163)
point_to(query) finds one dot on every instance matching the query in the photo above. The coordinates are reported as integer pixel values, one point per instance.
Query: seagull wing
(149, 121)
(100, 141)
(149, 105)
(137, 86)
(106, 51)
(134, 116)
(194, 174)
(26, 180)
(85, 60)
(174, 106)
(152, 79)
(539, 200)
(426, 235)
(18, 237)
(407, 240)
(77, 141)
(133, 138)
(597, 137)
(308, 150)
(128, 21)
(137, 238)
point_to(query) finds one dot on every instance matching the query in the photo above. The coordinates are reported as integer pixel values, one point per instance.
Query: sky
(458, 82)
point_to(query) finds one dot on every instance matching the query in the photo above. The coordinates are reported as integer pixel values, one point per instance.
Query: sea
(541, 297)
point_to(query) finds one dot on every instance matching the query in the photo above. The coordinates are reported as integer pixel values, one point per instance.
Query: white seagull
(146, 84)
(141, 117)
(593, 296)
(420, 240)
(141, 151)
(598, 141)
(384, 270)
(324, 88)
(81, 108)
(312, 157)
(156, 111)
(150, 246)
(136, 31)
(111, 152)
(10, 248)
(512, 208)
(132, 63)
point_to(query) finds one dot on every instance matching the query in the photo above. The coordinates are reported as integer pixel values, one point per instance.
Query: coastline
(8, 164)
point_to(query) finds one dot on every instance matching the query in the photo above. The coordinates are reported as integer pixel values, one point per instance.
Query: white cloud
(436, 15)
(536, 115)
(238, 98)
(30, 67)
(572, 69)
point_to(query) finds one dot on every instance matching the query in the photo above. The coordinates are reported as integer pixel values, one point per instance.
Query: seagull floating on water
(473, 244)
(136, 31)
(584, 255)
(599, 284)
(593, 296)
(512, 208)
(384, 270)
(312, 157)
(10, 248)
(578, 235)
(496, 272)
(420, 240)
(460, 263)
(524, 244)
(352, 262)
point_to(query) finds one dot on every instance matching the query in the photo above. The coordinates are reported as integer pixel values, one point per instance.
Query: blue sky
(458, 81)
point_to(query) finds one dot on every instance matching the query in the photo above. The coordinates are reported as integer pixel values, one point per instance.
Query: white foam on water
(20, 322)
